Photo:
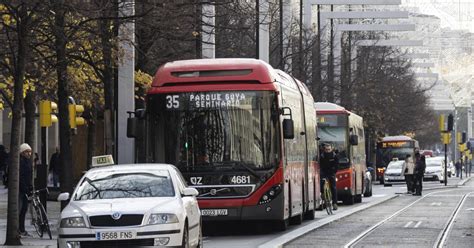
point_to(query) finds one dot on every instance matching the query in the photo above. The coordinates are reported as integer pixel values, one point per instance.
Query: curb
(288, 237)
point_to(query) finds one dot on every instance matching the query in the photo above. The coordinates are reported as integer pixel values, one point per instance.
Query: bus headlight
(270, 194)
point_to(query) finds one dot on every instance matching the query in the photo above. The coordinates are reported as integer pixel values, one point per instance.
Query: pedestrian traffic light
(47, 111)
(75, 112)
(450, 122)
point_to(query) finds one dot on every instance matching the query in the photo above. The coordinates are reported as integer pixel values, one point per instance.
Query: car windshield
(112, 185)
(396, 165)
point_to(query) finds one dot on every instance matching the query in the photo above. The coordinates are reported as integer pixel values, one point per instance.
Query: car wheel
(185, 242)
(200, 245)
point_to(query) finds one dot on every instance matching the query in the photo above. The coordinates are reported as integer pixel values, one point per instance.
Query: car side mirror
(354, 139)
(63, 196)
(190, 192)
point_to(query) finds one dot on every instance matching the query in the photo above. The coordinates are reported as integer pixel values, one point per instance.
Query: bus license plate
(115, 235)
(214, 212)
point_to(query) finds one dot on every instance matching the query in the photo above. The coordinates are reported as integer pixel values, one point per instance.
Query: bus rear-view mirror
(132, 124)
(288, 129)
(354, 139)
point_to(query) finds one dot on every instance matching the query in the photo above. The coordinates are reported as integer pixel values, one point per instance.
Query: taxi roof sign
(103, 160)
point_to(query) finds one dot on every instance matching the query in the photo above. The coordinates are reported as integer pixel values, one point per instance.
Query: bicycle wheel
(328, 200)
(45, 221)
(37, 219)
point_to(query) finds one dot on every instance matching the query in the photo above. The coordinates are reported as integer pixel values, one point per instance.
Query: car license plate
(214, 212)
(115, 235)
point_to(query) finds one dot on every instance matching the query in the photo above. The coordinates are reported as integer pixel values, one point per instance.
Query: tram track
(442, 236)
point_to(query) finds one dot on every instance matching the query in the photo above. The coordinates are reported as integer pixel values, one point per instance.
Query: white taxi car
(129, 206)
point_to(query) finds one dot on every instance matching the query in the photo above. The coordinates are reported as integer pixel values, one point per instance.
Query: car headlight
(162, 219)
(72, 222)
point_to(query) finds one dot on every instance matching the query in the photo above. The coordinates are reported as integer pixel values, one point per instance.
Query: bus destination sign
(395, 144)
(210, 100)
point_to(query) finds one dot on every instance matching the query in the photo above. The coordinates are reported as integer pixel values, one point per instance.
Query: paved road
(231, 234)
(405, 221)
(234, 235)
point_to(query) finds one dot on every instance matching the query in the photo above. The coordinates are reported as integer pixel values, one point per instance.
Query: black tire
(282, 225)
(309, 215)
(46, 226)
(200, 244)
(348, 200)
(37, 220)
(297, 220)
(358, 198)
(185, 241)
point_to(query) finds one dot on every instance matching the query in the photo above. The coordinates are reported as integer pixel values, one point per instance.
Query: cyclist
(25, 184)
(329, 162)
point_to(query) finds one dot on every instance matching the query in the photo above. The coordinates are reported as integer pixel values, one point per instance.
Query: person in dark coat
(25, 184)
(4, 160)
(457, 166)
(419, 173)
(329, 163)
(54, 165)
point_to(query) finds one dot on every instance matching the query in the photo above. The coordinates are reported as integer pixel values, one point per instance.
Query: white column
(264, 32)
(126, 84)
(208, 40)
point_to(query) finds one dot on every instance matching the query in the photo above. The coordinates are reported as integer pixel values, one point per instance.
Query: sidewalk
(53, 209)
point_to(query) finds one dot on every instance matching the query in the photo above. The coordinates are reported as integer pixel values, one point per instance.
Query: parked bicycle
(39, 219)
(327, 196)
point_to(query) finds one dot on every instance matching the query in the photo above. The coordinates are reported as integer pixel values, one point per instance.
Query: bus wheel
(358, 198)
(296, 220)
(348, 200)
(281, 225)
(309, 215)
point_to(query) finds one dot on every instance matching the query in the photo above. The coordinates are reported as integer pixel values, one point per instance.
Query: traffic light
(441, 123)
(450, 122)
(458, 138)
(463, 139)
(75, 112)
(47, 111)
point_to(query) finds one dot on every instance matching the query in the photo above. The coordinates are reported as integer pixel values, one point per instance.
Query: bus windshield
(207, 131)
(385, 155)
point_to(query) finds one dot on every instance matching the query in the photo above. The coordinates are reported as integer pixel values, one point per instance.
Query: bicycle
(327, 197)
(39, 219)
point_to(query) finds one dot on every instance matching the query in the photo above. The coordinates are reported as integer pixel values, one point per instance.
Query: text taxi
(131, 205)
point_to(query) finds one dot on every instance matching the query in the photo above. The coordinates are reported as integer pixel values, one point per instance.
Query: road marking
(382, 195)
(436, 204)
(408, 224)
(470, 209)
(417, 224)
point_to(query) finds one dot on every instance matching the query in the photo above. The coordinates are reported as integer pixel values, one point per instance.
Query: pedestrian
(409, 170)
(329, 163)
(54, 165)
(419, 173)
(25, 184)
(457, 166)
(4, 161)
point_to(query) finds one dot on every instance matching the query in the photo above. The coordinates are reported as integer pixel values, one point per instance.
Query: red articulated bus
(344, 130)
(241, 132)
